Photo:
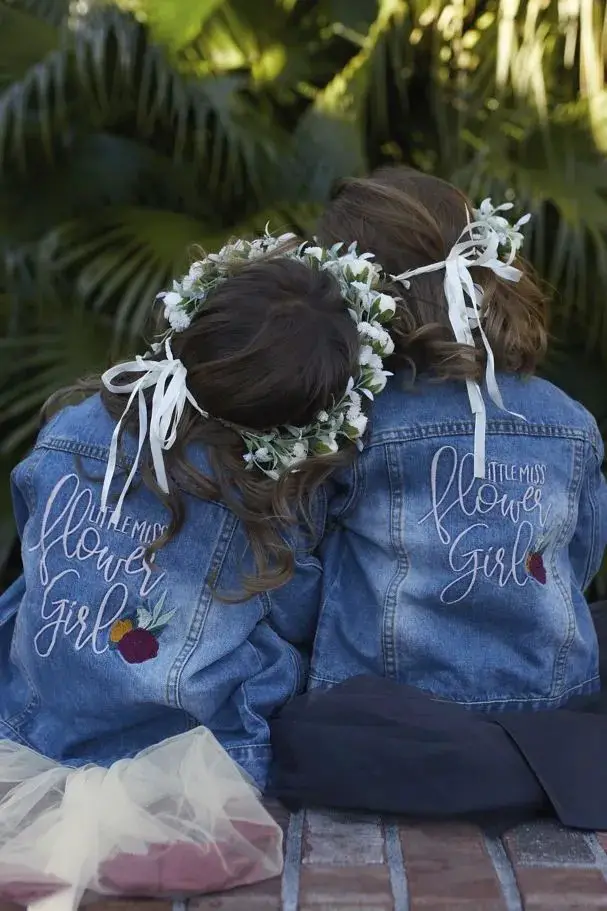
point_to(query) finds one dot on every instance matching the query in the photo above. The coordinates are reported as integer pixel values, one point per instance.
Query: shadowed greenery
(130, 131)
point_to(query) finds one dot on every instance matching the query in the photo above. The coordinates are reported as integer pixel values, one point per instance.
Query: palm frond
(120, 260)
(330, 137)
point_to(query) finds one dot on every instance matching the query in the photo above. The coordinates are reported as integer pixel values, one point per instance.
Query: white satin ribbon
(168, 378)
(464, 315)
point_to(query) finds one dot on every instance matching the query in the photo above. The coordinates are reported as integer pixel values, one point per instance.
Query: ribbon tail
(113, 454)
(454, 293)
(477, 406)
(143, 426)
(480, 443)
(111, 466)
(162, 416)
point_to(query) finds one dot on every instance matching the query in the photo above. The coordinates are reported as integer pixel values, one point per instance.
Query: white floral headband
(478, 245)
(280, 449)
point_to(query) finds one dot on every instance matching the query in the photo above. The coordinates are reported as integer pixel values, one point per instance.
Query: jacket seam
(466, 428)
(400, 571)
(590, 557)
(560, 663)
(197, 624)
(356, 491)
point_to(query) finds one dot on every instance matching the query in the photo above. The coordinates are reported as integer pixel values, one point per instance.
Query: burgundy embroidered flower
(137, 646)
(535, 567)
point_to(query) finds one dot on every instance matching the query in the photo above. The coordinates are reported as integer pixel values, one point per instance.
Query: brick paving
(337, 862)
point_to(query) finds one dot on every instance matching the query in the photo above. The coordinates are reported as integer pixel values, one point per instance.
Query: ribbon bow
(463, 299)
(168, 379)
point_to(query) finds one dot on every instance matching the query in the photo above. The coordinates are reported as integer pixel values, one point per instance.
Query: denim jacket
(471, 590)
(101, 655)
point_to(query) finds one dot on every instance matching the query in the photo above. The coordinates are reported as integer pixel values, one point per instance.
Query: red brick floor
(351, 863)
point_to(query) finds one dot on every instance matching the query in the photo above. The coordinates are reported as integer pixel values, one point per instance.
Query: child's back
(465, 535)
(470, 589)
(166, 521)
(160, 651)
(170, 590)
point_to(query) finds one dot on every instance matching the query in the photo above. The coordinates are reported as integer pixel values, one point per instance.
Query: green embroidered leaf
(164, 619)
(158, 608)
(144, 618)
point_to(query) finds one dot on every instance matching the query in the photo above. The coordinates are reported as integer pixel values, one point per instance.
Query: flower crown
(488, 241)
(491, 242)
(278, 450)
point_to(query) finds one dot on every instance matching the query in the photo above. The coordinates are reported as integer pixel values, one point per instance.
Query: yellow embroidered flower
(119, 630)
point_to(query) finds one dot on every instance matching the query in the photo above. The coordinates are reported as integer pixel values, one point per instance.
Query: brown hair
(409, 219)
(273, 345)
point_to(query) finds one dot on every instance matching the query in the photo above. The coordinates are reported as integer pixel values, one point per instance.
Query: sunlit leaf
(174, 22)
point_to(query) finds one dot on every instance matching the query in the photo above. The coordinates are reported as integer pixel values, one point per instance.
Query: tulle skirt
(179, 819)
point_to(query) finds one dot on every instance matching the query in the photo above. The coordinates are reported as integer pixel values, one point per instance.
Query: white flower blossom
(196, 271)
(172, 299)
(368, 358)
(386, 342)
(354, 407)
(379, 380)
(357, 265)
(262, 454)
(364, 355)
(359, 422)
(314, 252)
(364, 294)
(507, 234)
(300, 451)
(322, 417)
(174, 313)
(178, 320)
(378, 335)
(329, 442)
(487, 209)
(386, 304)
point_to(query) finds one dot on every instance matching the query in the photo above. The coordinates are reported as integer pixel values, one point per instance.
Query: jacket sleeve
(294, 608)
(19, 498)
(590, 538)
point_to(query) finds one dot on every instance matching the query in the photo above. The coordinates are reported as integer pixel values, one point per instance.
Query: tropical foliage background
(130, 129)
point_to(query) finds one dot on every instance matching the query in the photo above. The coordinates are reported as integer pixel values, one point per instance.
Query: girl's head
(267, 351)
(409, 219)
(273, 345)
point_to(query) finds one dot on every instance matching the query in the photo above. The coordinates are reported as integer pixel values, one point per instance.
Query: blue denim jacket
(471, 590)
(101, 656)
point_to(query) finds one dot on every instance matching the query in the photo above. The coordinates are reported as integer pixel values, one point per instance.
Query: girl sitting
(169, 587)
(465, 535)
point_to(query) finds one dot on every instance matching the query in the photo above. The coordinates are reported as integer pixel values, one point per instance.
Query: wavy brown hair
(273, 345)
(409, 219)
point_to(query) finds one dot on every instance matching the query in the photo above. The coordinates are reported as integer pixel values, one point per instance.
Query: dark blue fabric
(377, 745)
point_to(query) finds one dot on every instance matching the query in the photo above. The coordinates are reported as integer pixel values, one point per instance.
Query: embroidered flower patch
(136, 637)
(534, 565)
(534, 561)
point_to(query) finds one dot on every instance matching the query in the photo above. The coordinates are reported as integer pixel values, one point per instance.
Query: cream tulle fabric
(179, 819)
